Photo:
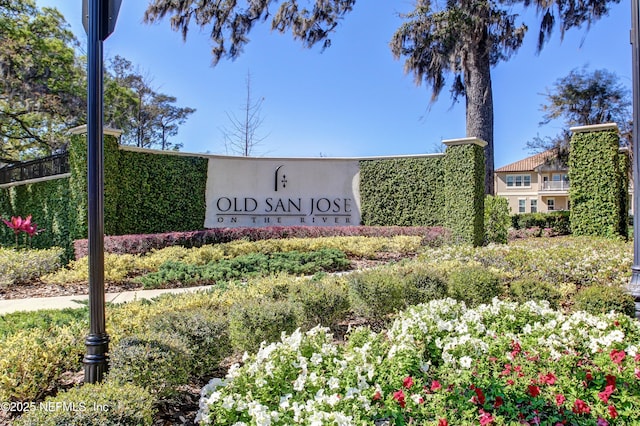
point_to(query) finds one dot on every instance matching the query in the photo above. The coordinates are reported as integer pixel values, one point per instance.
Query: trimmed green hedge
(160, 193)
(598, 197)
(404, 192)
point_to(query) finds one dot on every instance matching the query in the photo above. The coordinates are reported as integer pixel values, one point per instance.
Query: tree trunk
(479, 97)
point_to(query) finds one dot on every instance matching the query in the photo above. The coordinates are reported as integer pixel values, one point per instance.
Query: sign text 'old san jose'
(276, 210)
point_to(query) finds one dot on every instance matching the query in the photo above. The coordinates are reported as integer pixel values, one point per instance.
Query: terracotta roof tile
(528, 164)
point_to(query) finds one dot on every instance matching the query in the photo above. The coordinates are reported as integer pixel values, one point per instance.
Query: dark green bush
(159, 362)
(321, 301)
(598, 299)
(422, 286)
(204, 332)
(474, 285)
(531, 289)
(253, 321)
(246, 266)
(557, 221)
(377, 293)
(94, 405)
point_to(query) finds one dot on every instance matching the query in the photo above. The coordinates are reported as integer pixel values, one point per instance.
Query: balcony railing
(50, 166)
(555, 185)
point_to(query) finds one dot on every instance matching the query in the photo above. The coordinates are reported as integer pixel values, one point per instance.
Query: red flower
(533, 390)
(560, 399)
(498, 402)
(399, 396)
(479, 398)
(611, 380)
(515, 348)
(617, 356)
(612, 411)
(510, 382)
(407, 382)
(435, 385)
(485, 418)
(589, 376)
(581, 407)
(507, 370)
(443, 422)
(377, 396)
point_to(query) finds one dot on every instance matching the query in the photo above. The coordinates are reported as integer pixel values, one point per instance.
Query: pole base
(96, 361)
(634, 287)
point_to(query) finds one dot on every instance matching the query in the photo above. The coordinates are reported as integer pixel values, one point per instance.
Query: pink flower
(602, 422)
(581, 407)
(399, 396)
(606, 393)
(548, 379)
(560, 399)
(435, 385)
(17, 223)
(617, 356)
(612, 411)
(407, 382)
(485, 418)
(443, 422)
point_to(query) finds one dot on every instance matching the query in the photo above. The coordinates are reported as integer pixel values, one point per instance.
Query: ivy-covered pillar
(464, 189)
(78, 182)
(597, 175)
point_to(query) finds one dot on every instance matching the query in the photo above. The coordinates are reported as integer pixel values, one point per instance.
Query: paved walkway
(37, 303)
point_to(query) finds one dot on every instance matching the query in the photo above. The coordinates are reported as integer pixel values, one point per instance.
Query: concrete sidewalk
(61, 302)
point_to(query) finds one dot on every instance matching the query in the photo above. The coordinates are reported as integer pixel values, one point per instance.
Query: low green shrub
(93, 405)
(377, 293)
(422, 284)
(558, 221)
(530, 289)
(17, 266)
(43, 319)
(32, 361)
(599, 299)
(496, 219)
(320, 301)
(247, 266)
(204, 332)
(253, 321)
(159, 362)
(474, 285)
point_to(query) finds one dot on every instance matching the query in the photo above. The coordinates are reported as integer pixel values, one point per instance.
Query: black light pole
(99, 21)
(634, 284)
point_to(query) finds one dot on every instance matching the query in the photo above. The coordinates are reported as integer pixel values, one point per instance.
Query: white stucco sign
(282, 192)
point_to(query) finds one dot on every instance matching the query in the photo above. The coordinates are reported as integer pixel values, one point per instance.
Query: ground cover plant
(240, 315)
(442, 363)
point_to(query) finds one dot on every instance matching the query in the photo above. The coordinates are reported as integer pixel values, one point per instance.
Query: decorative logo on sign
(280, 180)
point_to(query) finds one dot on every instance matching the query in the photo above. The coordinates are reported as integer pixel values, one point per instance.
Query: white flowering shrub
(441, 363)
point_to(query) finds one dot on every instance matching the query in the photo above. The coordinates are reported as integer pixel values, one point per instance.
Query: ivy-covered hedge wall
(160, 193)
(445, 190)
(598, 192)
(464, 192)
(402, 191)
(143, 193)
(149, 193)
(48, 203)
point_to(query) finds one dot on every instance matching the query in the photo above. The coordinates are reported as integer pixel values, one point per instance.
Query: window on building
(551, 204)
(534, 206)
(522, 203)
(518, 181)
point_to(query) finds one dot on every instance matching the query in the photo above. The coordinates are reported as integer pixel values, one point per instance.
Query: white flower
(333, 383)
(316, 359)
(465, 362)
(284, 401)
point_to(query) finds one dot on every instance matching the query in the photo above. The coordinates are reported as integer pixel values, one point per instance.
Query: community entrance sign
(282, 192)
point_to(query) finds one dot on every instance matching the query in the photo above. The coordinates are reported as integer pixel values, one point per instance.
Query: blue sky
(353, 99)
